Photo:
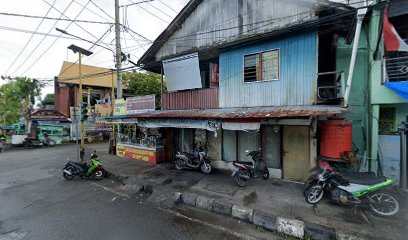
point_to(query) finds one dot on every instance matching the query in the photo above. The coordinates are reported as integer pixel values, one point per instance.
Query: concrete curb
(287, 226)
(116, 177)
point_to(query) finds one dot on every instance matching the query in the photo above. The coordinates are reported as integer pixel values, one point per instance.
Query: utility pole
(81, 52)
(118, 51)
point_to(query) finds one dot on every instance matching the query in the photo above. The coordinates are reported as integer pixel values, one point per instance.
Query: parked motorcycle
(349, 188)
(83, 169)
(249, 170)
(197, 160)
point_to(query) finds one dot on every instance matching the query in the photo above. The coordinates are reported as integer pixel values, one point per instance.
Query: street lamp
(80, 52)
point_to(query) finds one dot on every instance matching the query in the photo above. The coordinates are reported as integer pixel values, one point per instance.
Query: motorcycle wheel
(206, 168)
(314, 194)
(241, 181)
(98, 174)
(265, 174)
(309, 183)
(383, 204)
(66, 175)
(178, 164)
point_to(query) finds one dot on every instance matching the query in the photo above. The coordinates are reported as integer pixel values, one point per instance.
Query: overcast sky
(43, 56)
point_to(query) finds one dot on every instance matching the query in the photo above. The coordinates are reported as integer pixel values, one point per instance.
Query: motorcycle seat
(189, 155)
(246, 163)
(82, 164)
(364, 179)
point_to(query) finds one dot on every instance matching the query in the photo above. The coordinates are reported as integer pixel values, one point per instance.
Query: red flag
(393, 42)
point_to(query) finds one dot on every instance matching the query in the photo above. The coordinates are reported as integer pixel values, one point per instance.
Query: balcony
(192, 99)
(330, 87)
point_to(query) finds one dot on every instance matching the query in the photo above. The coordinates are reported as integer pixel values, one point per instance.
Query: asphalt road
(37, 203)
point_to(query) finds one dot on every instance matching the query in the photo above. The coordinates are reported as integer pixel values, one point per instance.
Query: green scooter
(352, 189)
(82, 169)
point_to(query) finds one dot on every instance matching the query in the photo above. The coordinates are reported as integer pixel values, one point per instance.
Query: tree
(49, 99)
(16, 98)
(143, 83)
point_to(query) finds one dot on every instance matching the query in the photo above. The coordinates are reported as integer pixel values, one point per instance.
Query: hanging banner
(210, 125)
(120, 107)
(103, 110)
(140, 104)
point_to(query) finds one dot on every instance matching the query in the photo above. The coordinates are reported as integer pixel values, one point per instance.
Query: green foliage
(15, 98)
(49, 99)
(143, 83)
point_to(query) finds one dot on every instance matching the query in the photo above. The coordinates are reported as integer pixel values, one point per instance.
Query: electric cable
(55, 40)
(42, 40)
(53, 18)
(168, 6)
(29, 40)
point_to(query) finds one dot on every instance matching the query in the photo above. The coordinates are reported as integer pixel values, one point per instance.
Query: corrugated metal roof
(252, 112)
(398, 8)
(148, 59)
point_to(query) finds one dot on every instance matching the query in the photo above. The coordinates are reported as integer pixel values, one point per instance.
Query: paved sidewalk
(277, 197)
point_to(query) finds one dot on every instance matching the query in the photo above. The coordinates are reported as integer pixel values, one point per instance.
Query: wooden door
(296, 152)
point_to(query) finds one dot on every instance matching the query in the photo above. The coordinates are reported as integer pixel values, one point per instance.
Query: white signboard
(182, 72)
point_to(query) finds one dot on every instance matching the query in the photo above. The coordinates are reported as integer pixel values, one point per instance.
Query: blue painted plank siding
(298, 74)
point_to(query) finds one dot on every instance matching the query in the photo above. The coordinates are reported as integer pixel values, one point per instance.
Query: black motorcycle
(249, 170)
(350, 188)
(197, 160)
(83, 169)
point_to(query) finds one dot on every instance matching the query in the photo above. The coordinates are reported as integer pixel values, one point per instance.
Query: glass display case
(146, 144)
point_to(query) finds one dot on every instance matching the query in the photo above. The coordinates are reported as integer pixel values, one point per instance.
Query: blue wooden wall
(298, 73)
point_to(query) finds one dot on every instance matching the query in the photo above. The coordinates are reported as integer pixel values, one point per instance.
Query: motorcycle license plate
(233, 173)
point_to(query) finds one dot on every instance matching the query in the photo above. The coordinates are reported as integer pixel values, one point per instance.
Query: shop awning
(238, 124)
(249, 112)
(210, 125)
(401, 88)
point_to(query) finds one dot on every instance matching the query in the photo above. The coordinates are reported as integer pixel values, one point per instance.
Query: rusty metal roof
(249, 112)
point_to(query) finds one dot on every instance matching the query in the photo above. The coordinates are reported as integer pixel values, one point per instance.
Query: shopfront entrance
(296, 152)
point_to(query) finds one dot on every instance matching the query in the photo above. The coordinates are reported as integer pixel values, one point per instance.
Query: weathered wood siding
(218, 21)
(298, 73)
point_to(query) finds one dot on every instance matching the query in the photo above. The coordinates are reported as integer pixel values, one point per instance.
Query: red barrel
(335, 137)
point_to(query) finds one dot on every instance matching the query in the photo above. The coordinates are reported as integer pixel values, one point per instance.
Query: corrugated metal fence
(194, 99)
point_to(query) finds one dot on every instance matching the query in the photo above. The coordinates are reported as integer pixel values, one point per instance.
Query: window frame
(260, 52)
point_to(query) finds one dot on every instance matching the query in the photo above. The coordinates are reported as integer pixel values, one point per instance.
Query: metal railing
(395, 69)
(330, 85)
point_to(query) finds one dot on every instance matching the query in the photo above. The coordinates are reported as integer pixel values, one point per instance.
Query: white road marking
(237, 234)
(111, 190)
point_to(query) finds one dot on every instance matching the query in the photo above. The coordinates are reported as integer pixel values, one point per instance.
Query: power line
(53, 18)
(158, 9)
(94, 44)
(52, 44)
(39, 43)
(29, 40)
(33, 32)
(136, 3)
(102, 10)
(151, 13)
(80, 4)
(83, 7)
(168, 6)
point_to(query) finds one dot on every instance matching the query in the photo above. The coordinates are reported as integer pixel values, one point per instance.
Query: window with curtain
(263, 66)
